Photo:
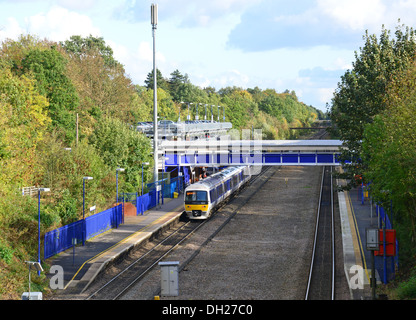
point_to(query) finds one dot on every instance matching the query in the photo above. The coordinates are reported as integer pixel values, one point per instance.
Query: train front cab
(197, 204)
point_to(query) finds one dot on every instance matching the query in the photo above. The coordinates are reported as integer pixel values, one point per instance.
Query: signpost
(373, 244)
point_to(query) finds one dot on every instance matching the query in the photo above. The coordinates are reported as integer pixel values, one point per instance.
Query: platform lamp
(117, 171)
(39, 191)
(83, 207)
(212, 113)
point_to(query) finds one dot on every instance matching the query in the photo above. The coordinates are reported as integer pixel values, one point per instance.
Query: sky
(300, 45)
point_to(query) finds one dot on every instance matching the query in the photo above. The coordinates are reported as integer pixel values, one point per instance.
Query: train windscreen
(196, 197)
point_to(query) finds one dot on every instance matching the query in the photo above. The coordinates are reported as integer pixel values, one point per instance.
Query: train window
(196, 197)
(219, 191)
(213, 195)
(228, 185)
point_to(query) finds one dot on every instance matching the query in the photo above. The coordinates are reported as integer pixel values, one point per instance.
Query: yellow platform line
(359, 253)
(120, 242)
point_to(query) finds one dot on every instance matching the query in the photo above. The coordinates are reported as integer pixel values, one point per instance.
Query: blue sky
(301, 45)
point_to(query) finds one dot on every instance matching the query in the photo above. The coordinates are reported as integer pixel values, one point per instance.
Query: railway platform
(356, 216)
(82, 264)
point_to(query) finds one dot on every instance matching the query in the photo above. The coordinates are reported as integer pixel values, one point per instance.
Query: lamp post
(39, 191)
(212, 113)
(197, 113)
(154, 17)
(83, 207)
(118, 170)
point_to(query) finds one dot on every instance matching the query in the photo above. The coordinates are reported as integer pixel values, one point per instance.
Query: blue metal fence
(386, 266)
(103, 221)
(60, 239)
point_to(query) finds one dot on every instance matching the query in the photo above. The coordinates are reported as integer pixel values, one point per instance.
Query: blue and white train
(203, 197)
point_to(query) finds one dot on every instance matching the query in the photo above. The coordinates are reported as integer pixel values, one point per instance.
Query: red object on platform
(390, 243)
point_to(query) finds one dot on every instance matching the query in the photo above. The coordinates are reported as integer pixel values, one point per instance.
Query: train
(202, 198)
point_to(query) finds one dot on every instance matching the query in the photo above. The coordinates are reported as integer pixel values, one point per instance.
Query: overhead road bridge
(216, 153)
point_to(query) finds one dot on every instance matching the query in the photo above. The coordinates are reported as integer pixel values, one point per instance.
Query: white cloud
(355, 14)
(11, 30)
(138, 62)
(77, 4)
(229, 78)
(145, 53)
(59, 24)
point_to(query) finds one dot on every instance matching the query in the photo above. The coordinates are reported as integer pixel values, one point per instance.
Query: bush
(6, 253)
(407, 290)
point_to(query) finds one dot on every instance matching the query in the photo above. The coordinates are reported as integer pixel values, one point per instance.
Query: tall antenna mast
(153, 14)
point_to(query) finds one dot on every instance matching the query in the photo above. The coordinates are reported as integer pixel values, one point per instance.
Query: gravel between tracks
(262, 253)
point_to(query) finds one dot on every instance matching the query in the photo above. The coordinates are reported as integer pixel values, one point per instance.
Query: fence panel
(103, 221)
(59, 240)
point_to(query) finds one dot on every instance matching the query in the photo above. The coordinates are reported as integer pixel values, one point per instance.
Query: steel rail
(137, 261)
(142, 274)
(318, 216)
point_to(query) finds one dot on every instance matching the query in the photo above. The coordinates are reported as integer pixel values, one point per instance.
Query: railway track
(114, 288)
(321, 281)
(120, 284)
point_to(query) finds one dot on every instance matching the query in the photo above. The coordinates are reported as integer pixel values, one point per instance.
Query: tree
(389, 150)
(161, 82)
(84, 47)
(49, 70)
(100, 80)
(179, 86)
(23, 124)
(120, 146)
(359, 96)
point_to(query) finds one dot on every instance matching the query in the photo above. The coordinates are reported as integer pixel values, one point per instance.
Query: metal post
(154, 17)
(373, 275)
(83, 212)
(83, 208)
(38, 231)
(384, 250)
(141, 198)
(117, 170)
(116, 186)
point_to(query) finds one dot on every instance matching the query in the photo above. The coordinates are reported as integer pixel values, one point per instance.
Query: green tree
(389, 150)
(23, 124)
(178, 86)
(359, 96)
(81, 47)
(161, 82)
(100, 81)
(49, 70)
(120, 146)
